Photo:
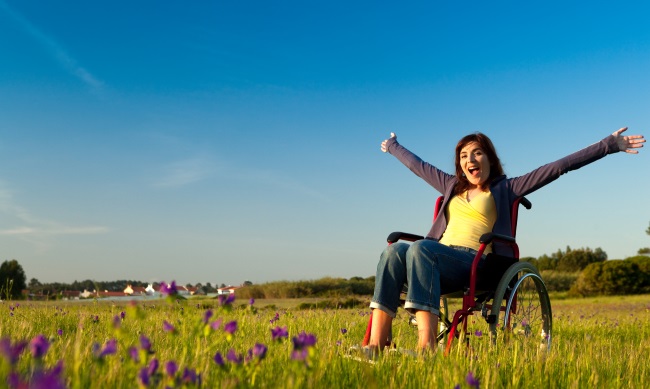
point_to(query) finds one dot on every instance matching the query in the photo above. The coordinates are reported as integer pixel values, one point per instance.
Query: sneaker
(403, 351)
(364, 353)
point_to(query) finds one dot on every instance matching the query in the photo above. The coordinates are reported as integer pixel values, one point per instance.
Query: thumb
(392, 135)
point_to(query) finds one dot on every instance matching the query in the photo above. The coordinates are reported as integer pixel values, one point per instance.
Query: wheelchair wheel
(527, 318)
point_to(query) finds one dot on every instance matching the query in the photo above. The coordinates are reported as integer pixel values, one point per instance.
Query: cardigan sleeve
(548, 173)
(435, 177)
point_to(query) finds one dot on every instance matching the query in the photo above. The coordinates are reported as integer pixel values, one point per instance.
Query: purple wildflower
(59, 332)
(230, 327)
(11, 352)
(233, 357)
(116, 322)
(344, 331)
(275, 318)
(135, 355)
(168, 289)
(471, 380)
(226, 299)
(153, 366)
(218, 359)
(299, 355)
(122, 315)
(39, 346)
(259, 350)
(216, 324)
(278, 333)
(251, 301)
(95, 319)
(207, 315)
(303, 340)
(109, 348)
(144, 377)
(15, 381)
(168, 327)
(50, 379)
(190, 377)
(145, 344)
(301, 345)
(478, 333)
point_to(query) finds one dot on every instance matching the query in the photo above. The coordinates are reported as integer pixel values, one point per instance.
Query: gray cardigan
(504, 190)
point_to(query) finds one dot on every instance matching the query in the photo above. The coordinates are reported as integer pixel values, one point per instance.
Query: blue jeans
(428, 268)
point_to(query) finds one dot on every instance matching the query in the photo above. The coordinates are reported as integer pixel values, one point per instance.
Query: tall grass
(599, 342)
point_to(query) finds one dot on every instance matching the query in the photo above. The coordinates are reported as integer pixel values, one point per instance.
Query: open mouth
(473, 171)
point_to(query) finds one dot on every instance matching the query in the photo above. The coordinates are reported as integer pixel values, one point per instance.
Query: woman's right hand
(383, 144)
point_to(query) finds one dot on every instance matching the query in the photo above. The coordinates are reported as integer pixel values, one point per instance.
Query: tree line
(581, 272)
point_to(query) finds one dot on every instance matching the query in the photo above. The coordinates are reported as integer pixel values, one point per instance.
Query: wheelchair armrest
(490, 236)
(395, 236)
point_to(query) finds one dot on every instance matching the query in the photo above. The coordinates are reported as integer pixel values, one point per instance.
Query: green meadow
(597, 342)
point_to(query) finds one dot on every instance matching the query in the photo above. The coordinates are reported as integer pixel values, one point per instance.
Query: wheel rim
(530, 323)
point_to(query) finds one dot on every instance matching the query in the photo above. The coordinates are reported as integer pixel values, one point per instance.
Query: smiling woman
(477, 200)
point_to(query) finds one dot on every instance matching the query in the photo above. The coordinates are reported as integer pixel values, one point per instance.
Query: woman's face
(474, 163)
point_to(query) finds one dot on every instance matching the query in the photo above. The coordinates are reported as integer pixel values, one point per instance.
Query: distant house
(135, 290)
(227, 290)
(86, 294)
(149, 290)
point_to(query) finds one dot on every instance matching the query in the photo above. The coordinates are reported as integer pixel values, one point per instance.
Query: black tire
(531, 324)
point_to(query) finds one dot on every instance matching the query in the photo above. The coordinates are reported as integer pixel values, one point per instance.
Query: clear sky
(224, 141)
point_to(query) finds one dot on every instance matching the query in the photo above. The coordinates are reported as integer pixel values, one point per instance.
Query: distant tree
(643, 262)
(247, 283)
(648, 230)
(645, 250)
(576, 260)
(610, 278)
(546, 263)
(34, 283)
(12, 279)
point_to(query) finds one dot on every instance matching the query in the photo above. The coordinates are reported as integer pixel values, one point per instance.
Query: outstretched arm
(429, 173)
(627, 143)
(543, 175)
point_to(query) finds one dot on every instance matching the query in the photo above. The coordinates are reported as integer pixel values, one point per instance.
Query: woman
(477, 200)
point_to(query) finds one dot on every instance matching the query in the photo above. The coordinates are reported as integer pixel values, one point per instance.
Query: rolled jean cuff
(411, 306)
(375, 305)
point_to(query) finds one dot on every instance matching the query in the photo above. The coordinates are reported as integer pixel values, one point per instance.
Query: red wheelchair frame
(507, 288)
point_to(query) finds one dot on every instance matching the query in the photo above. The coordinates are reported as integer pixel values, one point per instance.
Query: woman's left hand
(628, 143)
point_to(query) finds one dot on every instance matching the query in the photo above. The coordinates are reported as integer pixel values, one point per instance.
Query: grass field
(597, 342)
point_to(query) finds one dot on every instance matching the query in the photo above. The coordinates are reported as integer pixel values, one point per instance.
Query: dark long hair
(496, 170)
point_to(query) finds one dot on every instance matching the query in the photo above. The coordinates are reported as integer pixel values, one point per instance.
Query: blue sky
(229, 141)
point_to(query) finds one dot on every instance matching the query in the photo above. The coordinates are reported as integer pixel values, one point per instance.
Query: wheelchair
(509, 294)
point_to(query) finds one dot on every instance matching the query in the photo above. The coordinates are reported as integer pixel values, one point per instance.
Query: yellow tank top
(468, 220)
